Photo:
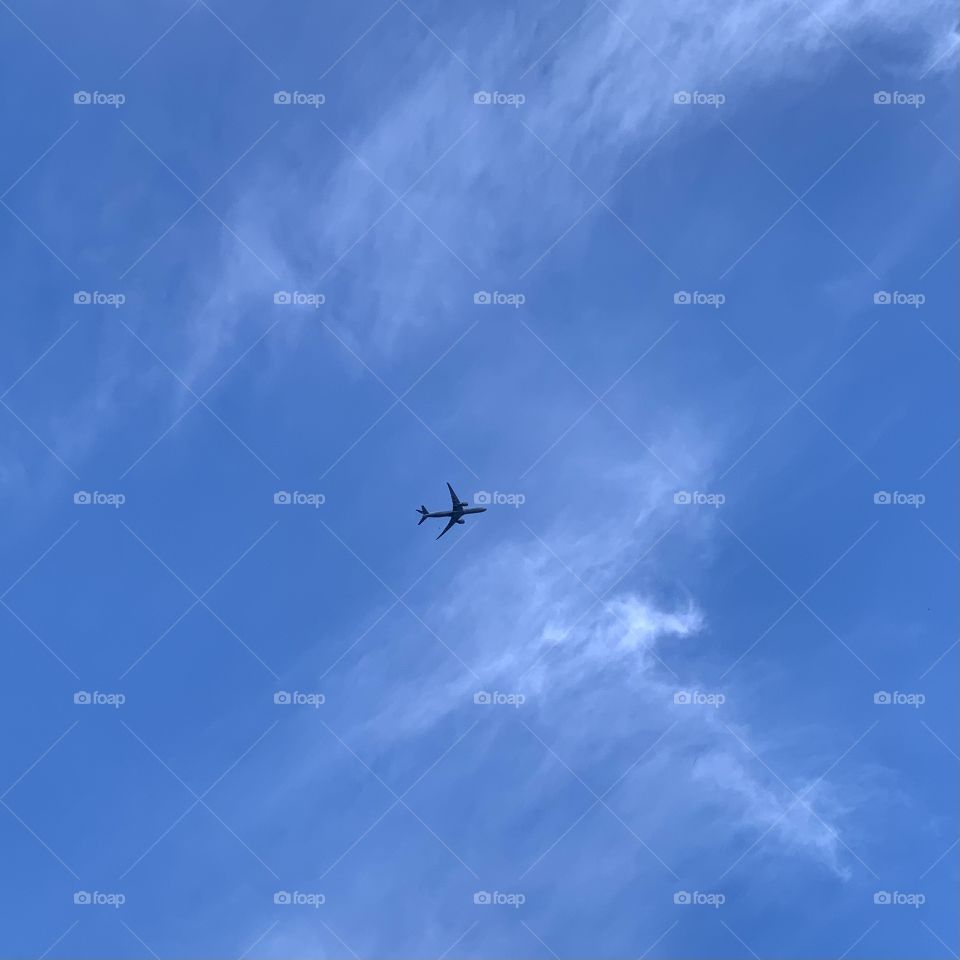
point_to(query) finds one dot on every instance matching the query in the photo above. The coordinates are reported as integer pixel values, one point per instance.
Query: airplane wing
(454, 498)
(450, 523)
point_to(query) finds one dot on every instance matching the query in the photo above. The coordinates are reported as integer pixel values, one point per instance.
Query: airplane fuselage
(454, 516)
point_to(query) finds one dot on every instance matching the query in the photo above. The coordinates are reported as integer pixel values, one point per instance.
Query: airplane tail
(423, 511)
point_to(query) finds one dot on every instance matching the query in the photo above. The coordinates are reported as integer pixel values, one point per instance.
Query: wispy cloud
(433, 195)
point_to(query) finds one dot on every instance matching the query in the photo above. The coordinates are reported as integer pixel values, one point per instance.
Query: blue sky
(712, 409)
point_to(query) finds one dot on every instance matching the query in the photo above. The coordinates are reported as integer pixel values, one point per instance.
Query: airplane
(456, 513)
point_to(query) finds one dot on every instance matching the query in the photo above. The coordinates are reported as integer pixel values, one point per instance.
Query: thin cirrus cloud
(593, 105)
(548, 638)
(436, 197)
(596, 101)
(686, 801)
(587, 626)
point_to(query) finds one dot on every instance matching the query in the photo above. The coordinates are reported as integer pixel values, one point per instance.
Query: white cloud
(598, 100)
(599, 666)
